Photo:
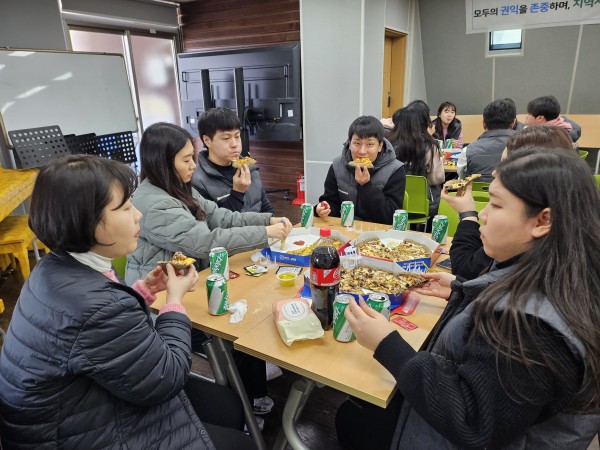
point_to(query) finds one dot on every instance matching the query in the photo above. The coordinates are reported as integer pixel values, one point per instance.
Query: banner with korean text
(489, 15)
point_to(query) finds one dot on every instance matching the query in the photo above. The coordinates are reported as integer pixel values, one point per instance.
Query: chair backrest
(583, 154)
(597, 177)
(481, 186)
(418, 197)
(446, 210)
(120, 264)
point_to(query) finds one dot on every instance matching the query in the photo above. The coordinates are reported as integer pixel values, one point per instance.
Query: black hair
(439, 127)
(159, 145)
(69, 198)
(546, 106)
(499, 115)
(217, 119)
(562, 266)
(365, 127)
(412, 141)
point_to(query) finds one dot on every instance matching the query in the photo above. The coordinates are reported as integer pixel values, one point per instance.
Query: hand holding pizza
(323, 209)
(462, 201)
(362, 175)
(242, 179)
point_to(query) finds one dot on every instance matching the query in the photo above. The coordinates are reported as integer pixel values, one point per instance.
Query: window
(504, 42)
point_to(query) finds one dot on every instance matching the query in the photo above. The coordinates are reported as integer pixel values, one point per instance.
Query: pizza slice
(238, 163)
(361, 162)
(179, 262)
(455, 185)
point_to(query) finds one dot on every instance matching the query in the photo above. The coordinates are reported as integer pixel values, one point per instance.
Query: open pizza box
(298, 239)
(381, 264)
(393, 236)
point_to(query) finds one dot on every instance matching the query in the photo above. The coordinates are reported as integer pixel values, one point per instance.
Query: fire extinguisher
(300, 198)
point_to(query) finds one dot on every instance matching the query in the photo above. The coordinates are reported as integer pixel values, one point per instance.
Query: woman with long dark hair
(514, 361)
(447, 126)
(416, 148)
(177, 218)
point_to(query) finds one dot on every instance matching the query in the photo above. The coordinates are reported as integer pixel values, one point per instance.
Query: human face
(184, 162)
(365, 147)
(447, 116)
(119, 227)
(224, 147)
(506, 231)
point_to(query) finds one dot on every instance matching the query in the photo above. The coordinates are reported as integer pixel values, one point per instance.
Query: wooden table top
(345, 366)
(15, 187)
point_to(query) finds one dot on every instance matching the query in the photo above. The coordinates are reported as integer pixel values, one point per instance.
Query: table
(347, 367)
(450, 168)
(15, 187)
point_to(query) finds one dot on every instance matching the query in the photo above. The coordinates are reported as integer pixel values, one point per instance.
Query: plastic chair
(446, 210)
(597, 177)
(481, 186)
(120, 265)
(583, 154)
(417, 203)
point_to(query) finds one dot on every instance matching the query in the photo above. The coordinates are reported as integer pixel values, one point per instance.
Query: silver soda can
(400, 220)
(341, 328)
(439, 229)
(217, 294)
(307, 217)
(380, 302)
(219, 261)
(347, 213)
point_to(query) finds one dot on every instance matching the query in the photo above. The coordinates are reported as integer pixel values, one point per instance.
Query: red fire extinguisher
(300, 198)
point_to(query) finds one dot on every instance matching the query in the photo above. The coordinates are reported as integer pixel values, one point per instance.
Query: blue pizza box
(391, 236)
(297, 239)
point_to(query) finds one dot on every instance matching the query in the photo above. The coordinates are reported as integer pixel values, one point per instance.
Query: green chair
(583, 154)
(416, 199)
(120, 264)
(597, 177)
(480, 186)
(446, 210)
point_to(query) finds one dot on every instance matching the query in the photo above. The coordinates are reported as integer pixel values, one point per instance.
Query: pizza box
(414, 265)
(376, 263)
(307, 236)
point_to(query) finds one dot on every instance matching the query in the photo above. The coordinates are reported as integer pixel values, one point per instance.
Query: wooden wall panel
(221, 24)
(231, 24)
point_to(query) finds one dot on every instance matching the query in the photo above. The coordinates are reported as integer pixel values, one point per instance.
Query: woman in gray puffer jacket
(176, 218)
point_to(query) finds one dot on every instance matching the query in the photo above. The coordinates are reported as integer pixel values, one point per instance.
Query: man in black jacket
(215, 177)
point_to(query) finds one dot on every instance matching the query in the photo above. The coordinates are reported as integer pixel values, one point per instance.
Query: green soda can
(219, 261)
(347, 213)
(448, 143)
(380, 303)
(341, 328)
(306, 215)
(400, 220)
(216, 292)
(439, 229)
(440, 144)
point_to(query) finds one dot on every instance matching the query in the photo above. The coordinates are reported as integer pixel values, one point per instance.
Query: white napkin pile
(238, 311)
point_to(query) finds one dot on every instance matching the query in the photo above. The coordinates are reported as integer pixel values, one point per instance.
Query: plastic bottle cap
(323, 232)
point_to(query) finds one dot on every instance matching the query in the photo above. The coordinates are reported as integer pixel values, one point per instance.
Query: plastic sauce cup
(286, 279)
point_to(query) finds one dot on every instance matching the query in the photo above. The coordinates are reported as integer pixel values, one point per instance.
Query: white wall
(342, 73)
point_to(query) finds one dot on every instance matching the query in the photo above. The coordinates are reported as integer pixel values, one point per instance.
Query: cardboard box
(415, 265)
(309, 236)
(375, 263)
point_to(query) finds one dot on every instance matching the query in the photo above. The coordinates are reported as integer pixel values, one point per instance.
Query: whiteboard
(80, 92)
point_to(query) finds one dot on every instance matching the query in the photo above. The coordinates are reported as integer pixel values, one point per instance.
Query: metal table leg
(216, 363)
(294, 406)
(224, 352)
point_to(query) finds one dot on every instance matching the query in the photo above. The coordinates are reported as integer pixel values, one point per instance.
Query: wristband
(466, 214)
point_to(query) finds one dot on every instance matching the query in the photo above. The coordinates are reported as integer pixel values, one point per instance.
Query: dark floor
(316, 425)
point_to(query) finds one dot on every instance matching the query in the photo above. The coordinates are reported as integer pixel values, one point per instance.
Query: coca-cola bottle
(324, 278)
